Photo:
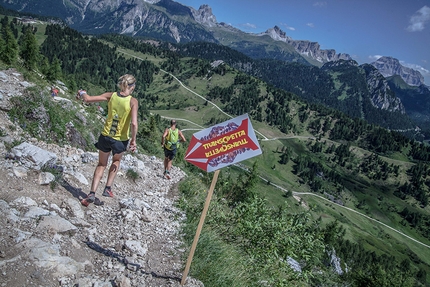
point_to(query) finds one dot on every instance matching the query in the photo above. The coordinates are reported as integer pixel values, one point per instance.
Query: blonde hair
(126, 81)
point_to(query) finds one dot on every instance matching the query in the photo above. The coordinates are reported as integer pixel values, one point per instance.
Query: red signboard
(223, 144)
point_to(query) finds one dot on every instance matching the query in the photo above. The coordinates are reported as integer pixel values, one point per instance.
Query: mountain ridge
(307, 48)
(311, 49)
(167, 20)
(135, 14)
(151, 16)
(389, 66)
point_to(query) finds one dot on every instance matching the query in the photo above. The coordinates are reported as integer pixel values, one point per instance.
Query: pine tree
(54, 71)
(29, 51)
(2, 44)
(9, 53)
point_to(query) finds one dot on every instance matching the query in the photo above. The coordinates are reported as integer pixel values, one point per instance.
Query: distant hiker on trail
(169, 142)
(54, 91)
(122, 116)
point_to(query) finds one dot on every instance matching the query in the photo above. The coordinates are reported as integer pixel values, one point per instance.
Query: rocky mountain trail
(47, 238)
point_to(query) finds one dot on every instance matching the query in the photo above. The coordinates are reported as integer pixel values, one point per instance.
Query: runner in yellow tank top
(114, 138)
(117, 125)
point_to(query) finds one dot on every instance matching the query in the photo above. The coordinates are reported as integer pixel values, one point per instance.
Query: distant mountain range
(168, 20)
(173, 22)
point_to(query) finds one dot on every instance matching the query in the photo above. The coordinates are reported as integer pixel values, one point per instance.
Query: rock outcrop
(381, 95)
(389, 66)
(204, 16)
(307, 48)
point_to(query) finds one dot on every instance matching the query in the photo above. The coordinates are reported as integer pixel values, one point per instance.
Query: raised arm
(94, 99)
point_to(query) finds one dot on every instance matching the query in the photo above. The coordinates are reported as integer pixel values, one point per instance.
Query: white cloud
(248, 26)
(373, 58)
(320, 4)
(419, 19)
(310, 25)
(419, 68)
(285, 26)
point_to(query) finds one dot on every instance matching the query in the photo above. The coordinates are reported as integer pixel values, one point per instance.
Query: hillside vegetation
(327, 188)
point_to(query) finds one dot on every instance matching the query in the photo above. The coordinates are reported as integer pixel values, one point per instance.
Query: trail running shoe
(167, 175)
(91, 197)
(98, 202)
(107, 192)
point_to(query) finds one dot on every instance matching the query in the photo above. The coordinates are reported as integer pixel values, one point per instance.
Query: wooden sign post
(199, 227)
(214, 148)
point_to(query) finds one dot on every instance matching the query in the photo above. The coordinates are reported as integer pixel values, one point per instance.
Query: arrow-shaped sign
(224, 144)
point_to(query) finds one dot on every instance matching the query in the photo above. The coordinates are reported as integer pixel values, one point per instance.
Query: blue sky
(364, 29)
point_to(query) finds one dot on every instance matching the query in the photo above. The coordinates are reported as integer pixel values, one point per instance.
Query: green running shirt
(172, 139)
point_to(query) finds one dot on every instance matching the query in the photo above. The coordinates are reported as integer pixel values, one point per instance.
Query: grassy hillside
(183, 96)
(372, 198)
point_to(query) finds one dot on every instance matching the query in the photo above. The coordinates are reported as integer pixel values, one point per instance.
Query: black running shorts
(108, 144)
(170, 154)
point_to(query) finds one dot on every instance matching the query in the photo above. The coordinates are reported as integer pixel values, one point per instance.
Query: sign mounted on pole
(216, 147)
(223, 144)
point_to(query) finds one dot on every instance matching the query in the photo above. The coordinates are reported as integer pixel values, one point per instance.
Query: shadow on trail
(130, 265)
(77, 192)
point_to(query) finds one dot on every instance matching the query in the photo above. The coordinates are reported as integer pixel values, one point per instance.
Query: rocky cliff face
(375, 85)
(381, 95)
(307, 48)
(277, 34)
(204, 16)
(389, 66)
(162, 19)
